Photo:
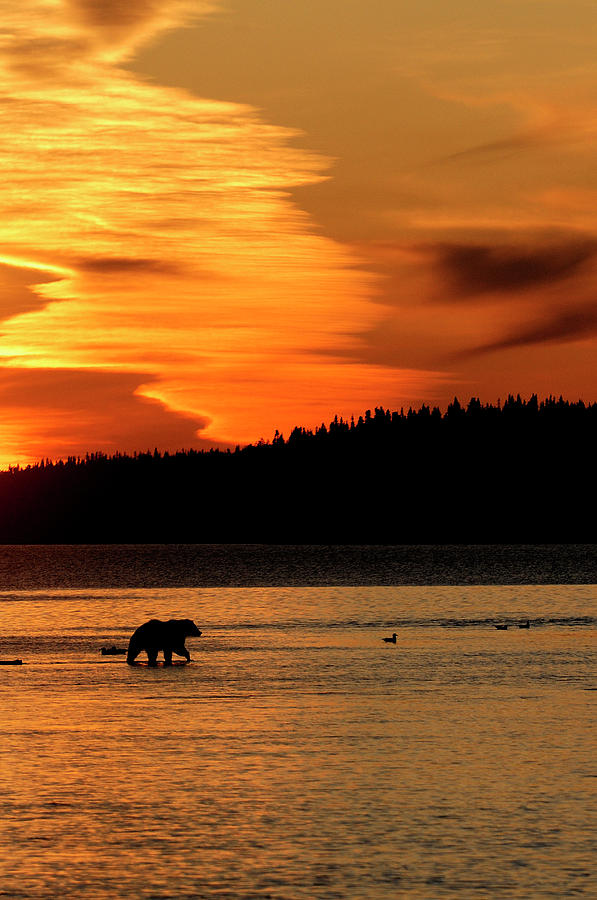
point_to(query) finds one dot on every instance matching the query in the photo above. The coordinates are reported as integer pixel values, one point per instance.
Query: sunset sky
(223, 218)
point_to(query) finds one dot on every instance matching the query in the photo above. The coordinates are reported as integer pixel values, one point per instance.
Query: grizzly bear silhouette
(156, 635)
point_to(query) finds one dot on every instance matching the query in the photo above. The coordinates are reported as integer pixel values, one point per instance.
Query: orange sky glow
(222, 219)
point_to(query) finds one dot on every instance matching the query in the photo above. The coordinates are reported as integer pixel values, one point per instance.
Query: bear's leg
(152, 657)
(132, 654)
(182, 651)
(167, 656)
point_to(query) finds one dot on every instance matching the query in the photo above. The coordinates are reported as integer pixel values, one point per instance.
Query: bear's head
(190, 629)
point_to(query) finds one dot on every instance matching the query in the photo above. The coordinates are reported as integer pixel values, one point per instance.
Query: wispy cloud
(447, 305)
(16, 293)
(475, 269)
(85, 410)
(167, 221)
(49, 37)
(510, 146)
(553, 327)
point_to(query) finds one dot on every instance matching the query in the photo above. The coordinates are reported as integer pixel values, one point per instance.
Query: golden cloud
(167, 222)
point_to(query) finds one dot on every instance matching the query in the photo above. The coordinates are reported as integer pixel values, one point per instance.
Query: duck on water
(391, 640)
(504, 627)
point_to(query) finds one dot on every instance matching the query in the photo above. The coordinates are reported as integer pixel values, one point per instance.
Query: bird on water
(391, 640)
(526, 624)
(501, 627)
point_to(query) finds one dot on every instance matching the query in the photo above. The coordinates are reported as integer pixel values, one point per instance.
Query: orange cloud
(448, 303)
(475, 269)
(16, 294)
(58, 39)
(174, 248)
(79, 411)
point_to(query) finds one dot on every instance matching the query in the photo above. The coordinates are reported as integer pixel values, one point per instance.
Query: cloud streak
(473, 269)
(449, 305)
(17, 294)
(55, 39)
(554, 327)
(176, 249)
(83, 411)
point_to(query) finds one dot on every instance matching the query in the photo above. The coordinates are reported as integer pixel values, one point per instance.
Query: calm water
(261, 565)
(298, 756)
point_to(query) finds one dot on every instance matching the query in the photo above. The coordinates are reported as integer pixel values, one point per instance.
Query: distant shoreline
(128, 566)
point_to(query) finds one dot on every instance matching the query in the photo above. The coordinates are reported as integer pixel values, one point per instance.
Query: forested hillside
(520, 471)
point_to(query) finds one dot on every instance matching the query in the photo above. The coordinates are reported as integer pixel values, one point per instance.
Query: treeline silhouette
(521, 471)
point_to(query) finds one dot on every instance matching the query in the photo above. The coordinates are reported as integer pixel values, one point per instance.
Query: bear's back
(153, 626)
(173, 631)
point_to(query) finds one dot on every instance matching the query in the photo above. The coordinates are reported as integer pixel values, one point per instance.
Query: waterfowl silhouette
(113, 651)
(501, 627)
(391, 640)
(526, 624)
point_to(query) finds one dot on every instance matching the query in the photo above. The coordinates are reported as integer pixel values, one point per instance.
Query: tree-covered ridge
(471, 421)
(522, 470)
(514, 413)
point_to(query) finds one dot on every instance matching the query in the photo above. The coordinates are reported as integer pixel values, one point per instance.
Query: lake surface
(297, 755)
(261, 565)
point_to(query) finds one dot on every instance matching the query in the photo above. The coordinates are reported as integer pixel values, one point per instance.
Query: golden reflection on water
(298, 761)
